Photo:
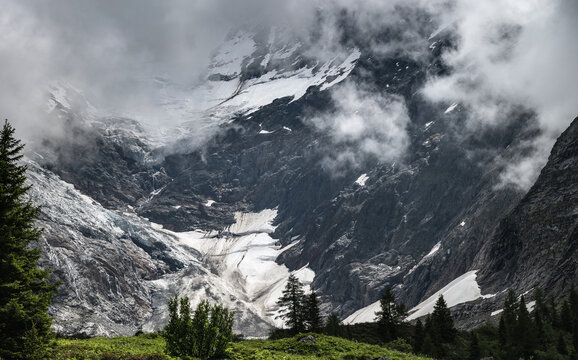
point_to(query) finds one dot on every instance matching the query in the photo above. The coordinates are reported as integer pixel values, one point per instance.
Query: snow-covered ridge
(279, 72)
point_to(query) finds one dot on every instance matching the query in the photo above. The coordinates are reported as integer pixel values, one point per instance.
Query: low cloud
(512, 54)
(508, 54)
(364, 125)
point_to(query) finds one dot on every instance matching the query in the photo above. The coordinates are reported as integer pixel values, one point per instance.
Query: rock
(309, 339)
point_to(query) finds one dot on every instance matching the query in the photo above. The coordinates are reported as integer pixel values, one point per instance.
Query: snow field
(461, 290)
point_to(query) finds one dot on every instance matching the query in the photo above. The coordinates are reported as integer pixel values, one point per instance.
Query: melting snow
(362, 179)
(463, 289)
(494, 313)
(451, 108)
(431, 253)
(366, 314)
(434, 250)
(245, 261)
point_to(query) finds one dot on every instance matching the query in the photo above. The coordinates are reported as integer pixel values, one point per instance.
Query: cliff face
(416, 222)
(536, 244)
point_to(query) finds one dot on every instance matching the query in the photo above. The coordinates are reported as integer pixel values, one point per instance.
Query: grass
(142, 347)
(150, 347)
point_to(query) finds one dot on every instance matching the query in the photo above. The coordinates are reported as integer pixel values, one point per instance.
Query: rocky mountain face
(535, 244)
(132, 218)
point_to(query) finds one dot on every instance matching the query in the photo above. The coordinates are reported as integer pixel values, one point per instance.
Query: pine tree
(25, 292)
(418, 337)
(205, 335)
(524, 332)
(566, 322)
(561, 346)
(333, 326)
(292, 305)
(474, 349)
(442, 321)
(313, 319)
(509, 316)
(390, 316)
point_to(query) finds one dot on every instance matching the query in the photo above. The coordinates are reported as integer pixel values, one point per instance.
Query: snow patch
(451, 108)
(431, 253)
(434, 250)
(209, 203)
(362, 180)
(494, 313)
(366, 314)
(463, 289)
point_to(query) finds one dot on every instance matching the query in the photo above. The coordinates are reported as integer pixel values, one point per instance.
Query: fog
(509, 53)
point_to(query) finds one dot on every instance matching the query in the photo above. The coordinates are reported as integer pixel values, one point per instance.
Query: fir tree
(205, 335)
(313, 319)
(333, 326)
(509, 317)
(561, 346)
(566, 322)
(418, 337)
(442, 321)
(390, 316)
(502, 334)
(524, 332)
(292, 305)
(25, 292)
(474, 349)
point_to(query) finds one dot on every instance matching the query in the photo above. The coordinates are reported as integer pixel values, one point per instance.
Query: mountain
(535, 244)
(262, 177)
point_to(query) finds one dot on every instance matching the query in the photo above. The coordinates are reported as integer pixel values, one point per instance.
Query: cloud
(509, 54)
(364, 125)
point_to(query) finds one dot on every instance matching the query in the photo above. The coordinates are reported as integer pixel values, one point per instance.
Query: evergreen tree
(474, 349)
(333, 327)
(313, 319)
(541, 315)
(554, 316)
(566, 322)
(25, 292)
(502, 335)
(561, 346)
(418, 337)
(508, 318)
(429, 347)
(205, 335)
(390, 316)
(524, 332)
(442, 321)
(292, 305)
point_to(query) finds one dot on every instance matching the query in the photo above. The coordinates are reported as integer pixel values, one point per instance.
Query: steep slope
(536, 244)
(257, 140)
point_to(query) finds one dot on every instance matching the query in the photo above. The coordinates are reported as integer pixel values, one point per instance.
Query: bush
(205, 335)
(399, 344)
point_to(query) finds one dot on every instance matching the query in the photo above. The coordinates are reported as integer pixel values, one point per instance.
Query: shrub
(205, 335)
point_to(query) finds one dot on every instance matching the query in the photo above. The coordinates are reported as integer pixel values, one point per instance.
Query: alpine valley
(337, 169)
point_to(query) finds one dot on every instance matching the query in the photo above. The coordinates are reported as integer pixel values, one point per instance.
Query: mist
(508, 54)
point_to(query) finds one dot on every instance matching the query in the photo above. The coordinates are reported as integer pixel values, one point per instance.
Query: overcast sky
(509, 52)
